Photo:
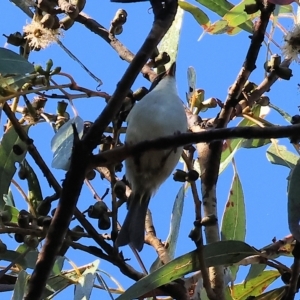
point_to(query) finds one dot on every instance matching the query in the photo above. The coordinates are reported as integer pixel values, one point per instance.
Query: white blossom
(291, 47)
(40, 37)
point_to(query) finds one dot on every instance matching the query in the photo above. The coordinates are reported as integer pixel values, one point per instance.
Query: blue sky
(217, 60)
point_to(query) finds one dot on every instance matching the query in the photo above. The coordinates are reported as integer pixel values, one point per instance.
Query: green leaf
(20, 286)
(14, 212)
(174, 228)
(275, 294)
(8, 159)
(13, 83)
(284, 114)
(62, 143)
(255, 286)
(61, 281)
(231, 146)
(27, 262)
(9, 199)
(218, 27)
(237, 14)
(255, 271)
(285, 9)
(219, 253)
(233, 225)
(294, 201)
(34, 190)
(199, 15)
(13, 63)
(84, 287)
(279, 155)
(170, 41)
(255, 143)
(58, 265)
(221, 7)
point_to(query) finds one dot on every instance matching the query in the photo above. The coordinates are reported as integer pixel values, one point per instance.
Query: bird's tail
(133, 229)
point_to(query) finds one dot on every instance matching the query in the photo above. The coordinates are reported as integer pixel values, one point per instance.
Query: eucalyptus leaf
(14, 83)
(13, 63)
(174, 228)
(294, 202)
(284, 114)
(20, 286)
(199, 15)
(59, 282)
(14, 212)
(237, 14)
(8, 158)
(215, 254)
(170, 41)
(275, 294)
(14, 256)
(83, 288)
(62, 143)
(34, 190)
(221, 7)
(255, 286)
(279, 155)
(254, 271)
(233, 225)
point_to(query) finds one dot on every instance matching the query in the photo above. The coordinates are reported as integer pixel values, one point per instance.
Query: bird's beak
(172, 70)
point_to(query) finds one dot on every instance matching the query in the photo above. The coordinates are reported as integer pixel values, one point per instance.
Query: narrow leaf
(284, 114)
(170, 41)
(199, 15)
(14, 212)
(62, 143)
(61, 281)
(233, 226)
(83, 288)
(34, 190)
(231, 146)
(174, 228)
(221, 7)
(294, 201)
(8, 159)
(255, 286)
(237, 14)
(219, 253)
(13, 63)
(255, 271)
(279, 155)
(275, 294)
(20, 286)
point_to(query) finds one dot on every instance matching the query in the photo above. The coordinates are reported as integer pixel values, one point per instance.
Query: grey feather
(133, 229)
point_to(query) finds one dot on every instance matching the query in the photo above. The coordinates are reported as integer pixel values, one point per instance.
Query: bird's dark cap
(172, 70)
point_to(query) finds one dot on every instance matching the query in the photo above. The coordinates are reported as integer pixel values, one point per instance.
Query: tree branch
(118, 154)
(210, 154)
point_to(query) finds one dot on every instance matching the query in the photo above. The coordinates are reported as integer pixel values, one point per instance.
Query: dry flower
(291, 48)
(40, 37)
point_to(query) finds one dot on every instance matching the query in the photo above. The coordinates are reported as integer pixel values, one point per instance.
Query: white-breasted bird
(160, 113)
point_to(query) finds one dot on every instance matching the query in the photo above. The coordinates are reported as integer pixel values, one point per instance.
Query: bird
(160, 113)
